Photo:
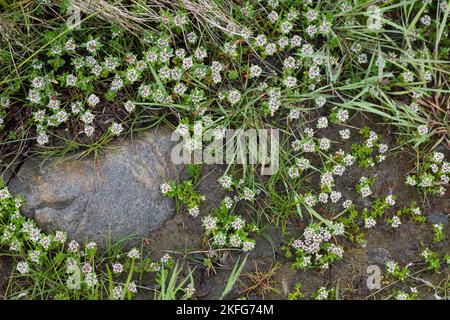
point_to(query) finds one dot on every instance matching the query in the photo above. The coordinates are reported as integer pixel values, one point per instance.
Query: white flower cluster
(315, 248)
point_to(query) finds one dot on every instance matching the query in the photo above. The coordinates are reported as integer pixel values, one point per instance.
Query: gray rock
(378, 256)
(438, 217)
(114, 197)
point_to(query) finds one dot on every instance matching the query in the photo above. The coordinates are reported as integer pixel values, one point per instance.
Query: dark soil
(182, 237)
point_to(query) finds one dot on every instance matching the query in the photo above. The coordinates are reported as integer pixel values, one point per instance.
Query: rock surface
(114, 197)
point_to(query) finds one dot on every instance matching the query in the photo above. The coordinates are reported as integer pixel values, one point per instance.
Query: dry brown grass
(206, 12)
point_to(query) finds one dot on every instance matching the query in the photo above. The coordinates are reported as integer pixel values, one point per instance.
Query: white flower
(323, 197)
(396, 222)
(366, 191)
(438, 157)
(296, 41)
(117, 292)
(228, 202)
(91, 46)
(401, 296)
(238, 223)
(362, 58)
(322, 123)
(335, 196)
(338, 229)
(408, 76)
(129, 106)
(73, 246)
(343, 115)
(182, 129)
(322, 294)
(200, 53)
(345, 134)
(426, 182)
(338, 170)
(248, 246)
(187, 63)
(309, 132)
(320, 101)
(71, 80)
(445, 167)
(89, 130)
(133, 254)
(426, 20)
(311, 15)
(286, 27)
(165, 258)
(34, 96)
(42, 138)
(38, 83)
(117, 267)
(209, 223)
(391, 266)
(290, 63)
(290, 82)
(410, 181)
(234, 96)
(60, 236)
(383, 148)
(260, 40)
(70, 45)
(325, 27)
(220, 239)
(327, 179)
(324, 144)
(191, 37)
(347, 204)
(54, 104)
(75, 107)
(93, 100)
(311, 30)
(293, 172)
(302, 163)
(132, 75)
(194, 212)
(422, 129)
(132, 287)
(270, 49)
(249, 194)
(294, 114)
(235, 241)
(91, 245)
(313, 72)
(283, 42)
(310, 200)
(390, 200)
